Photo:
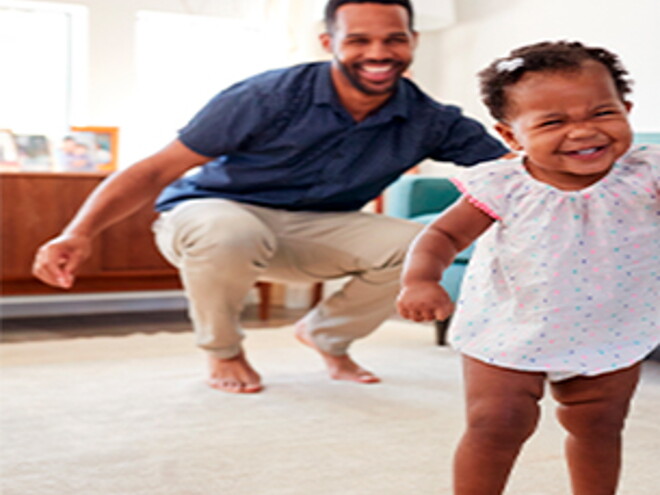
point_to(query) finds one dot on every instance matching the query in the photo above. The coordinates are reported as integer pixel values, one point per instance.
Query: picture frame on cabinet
(34, 152)
(8, 151)
(88, 149)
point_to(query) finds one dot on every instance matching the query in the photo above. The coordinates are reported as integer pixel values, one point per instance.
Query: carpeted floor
(130, 415)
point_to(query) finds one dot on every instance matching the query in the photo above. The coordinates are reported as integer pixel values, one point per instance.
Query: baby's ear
(508, 135)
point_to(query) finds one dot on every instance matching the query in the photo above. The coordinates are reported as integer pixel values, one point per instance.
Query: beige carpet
(130, 415)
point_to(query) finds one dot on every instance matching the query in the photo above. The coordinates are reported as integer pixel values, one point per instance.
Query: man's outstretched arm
(57, 261)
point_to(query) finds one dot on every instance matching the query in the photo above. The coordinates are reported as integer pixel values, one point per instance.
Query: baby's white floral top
(563, 281)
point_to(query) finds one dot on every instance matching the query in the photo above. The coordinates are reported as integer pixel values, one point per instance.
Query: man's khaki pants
(222, 247)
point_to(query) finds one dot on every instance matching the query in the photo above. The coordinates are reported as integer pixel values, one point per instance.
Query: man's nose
(377, 50)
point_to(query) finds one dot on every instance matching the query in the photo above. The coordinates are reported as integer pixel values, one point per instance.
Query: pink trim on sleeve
(483, 207)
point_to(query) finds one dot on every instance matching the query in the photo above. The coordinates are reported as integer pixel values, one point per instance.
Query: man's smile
(378, 72)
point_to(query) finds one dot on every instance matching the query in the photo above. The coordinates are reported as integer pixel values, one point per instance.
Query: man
(288, 159)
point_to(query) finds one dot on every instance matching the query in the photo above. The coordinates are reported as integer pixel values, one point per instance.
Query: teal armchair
(647, 138)
(421, 198)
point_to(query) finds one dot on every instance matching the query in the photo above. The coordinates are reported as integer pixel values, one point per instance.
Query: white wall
(487, 29)
(446, 63)
(112, 79)
(112, 43)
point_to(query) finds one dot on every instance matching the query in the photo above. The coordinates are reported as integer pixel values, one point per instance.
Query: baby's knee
(503, 423)
(592, 419)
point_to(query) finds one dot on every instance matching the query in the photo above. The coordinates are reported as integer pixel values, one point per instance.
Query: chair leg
(264, 299)
(441, 331)
(264, 289)
(317, 294)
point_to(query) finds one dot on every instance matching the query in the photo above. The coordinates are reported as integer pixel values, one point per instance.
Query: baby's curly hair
(540, 57)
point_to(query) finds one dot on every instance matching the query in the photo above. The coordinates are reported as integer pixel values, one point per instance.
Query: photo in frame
(8, 151)
(34, 152)
(88, 149)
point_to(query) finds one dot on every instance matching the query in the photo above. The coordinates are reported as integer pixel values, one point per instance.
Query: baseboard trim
(82, 304)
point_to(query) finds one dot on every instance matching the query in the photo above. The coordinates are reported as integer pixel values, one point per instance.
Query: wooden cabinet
(36, 206)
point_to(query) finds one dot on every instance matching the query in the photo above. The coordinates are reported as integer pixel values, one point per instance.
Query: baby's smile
(586, 152)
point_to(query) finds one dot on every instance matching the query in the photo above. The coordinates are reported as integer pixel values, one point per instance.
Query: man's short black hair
(332, 6)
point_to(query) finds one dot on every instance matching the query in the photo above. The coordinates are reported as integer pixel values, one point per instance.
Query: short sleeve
(229, 120)
(488, 186)
(467, 142)
(646, 156)
(652, 157)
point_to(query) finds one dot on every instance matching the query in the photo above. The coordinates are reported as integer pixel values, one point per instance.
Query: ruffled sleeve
(488, 186)
(643, 163)
(651, 154)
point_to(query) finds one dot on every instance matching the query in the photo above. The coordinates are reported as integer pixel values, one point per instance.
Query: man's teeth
(377, 69)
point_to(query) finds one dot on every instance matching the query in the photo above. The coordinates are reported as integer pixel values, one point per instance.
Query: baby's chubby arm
(422, 298)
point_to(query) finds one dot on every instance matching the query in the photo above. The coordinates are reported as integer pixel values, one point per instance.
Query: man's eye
(604, 113)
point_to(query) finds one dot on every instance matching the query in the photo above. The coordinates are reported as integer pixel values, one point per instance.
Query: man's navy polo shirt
(282, 139)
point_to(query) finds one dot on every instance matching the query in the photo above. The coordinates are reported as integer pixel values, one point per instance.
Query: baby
(564, 285)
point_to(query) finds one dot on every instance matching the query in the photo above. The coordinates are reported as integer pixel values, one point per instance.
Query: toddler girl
(564, 285)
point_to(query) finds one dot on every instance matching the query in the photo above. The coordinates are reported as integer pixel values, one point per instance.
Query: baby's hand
(424, 301)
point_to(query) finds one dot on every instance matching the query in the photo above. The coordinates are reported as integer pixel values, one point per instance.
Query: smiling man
(288, 159)
(372, 45)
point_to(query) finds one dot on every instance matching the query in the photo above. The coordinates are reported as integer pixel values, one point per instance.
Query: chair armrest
(647, 138)
(414, 195)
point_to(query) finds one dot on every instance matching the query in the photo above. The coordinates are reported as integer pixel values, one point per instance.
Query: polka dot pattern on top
(564, 281)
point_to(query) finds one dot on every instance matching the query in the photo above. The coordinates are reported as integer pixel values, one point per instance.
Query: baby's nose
(581, 130)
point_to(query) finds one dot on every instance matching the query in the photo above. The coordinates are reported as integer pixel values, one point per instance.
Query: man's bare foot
(234, 375)
(339, 367)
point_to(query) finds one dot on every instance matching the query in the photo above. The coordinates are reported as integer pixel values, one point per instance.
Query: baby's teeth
(586, 152)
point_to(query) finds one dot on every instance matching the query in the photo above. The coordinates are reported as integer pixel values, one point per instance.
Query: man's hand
(424, 301)
(122, 193)
(57, 261)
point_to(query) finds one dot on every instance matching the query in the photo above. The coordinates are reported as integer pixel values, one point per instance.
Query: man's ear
(508, 135)
(326, 41)
(415, 42)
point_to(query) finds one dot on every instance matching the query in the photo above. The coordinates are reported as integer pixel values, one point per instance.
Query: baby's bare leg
(593, 411)
(502, 412)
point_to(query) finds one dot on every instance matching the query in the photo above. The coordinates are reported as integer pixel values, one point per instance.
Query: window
(183, 60)
(43, 48)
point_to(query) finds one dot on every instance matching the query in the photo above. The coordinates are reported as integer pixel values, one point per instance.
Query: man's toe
(368, 378)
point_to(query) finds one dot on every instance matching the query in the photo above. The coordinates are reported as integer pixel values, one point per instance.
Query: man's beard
(355, 81)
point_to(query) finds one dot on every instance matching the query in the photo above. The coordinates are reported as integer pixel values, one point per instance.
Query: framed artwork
(8, 151)
(34, 152)
(88, 149)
